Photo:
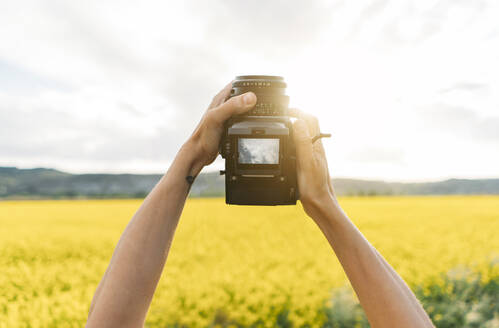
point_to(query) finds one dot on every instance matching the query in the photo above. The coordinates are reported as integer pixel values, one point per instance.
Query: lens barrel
(270, 92)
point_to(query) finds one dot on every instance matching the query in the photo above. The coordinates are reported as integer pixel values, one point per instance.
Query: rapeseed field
(231, 265)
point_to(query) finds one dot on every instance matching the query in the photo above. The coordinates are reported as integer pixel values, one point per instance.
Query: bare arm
(126, 290)
(384, 296)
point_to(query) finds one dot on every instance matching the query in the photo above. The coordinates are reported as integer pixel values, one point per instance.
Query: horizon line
(385, 180)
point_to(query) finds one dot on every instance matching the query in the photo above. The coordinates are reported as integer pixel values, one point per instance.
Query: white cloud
(119, 85)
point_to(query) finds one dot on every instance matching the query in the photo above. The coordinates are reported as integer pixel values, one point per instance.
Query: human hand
(204, 141)
(314, 182)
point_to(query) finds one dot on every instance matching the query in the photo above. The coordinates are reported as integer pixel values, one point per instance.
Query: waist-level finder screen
(258, 151)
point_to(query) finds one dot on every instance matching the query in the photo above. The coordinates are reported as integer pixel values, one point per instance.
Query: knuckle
(240, 100)
(302, 140)
(212, 117)
(299, 128)
(300, 136)
(209, 116)
(214, 101)
(226, 106)
(236, 101)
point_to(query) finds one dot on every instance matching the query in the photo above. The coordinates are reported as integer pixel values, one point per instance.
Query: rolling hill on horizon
(35, 183)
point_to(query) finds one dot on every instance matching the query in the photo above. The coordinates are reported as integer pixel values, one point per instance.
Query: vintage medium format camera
(258, 147)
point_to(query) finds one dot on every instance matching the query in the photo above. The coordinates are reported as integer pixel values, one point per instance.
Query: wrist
(192, 153)
(322, 209)
(189, 155)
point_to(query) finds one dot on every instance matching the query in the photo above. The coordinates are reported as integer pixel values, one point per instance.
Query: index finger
(221, 96)
(312, 121)
(313, 127)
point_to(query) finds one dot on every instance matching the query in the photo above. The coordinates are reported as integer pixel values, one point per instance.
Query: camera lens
(270, 92)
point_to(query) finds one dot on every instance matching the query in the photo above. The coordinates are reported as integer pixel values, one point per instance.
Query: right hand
(314, 182)
(205, 140)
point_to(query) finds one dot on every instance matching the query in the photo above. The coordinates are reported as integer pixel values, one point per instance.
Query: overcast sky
(409, 89)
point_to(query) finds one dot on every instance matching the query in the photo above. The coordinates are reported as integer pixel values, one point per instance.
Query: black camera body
(258, 147)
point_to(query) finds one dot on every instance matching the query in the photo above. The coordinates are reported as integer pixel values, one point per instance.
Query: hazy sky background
(409, 89)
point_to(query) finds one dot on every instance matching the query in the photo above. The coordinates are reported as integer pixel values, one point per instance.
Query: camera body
(258, 147)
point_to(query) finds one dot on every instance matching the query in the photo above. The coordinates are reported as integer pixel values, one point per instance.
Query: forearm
(125, 292)
(386, 299)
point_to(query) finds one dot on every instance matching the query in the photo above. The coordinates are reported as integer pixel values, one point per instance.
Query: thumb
(303, 144)
(235, 105)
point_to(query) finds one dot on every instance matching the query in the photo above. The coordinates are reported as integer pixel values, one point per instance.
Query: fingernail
(249, 98)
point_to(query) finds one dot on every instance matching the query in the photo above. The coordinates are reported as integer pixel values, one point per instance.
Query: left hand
(314, 182)
(205, 140)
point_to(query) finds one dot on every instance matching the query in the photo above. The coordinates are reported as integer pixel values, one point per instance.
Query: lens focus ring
(270, 91)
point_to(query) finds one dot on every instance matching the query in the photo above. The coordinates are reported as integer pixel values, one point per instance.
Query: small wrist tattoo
(190, 179)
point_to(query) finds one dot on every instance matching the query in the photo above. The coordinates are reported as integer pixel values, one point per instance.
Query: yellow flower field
(245, 262)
